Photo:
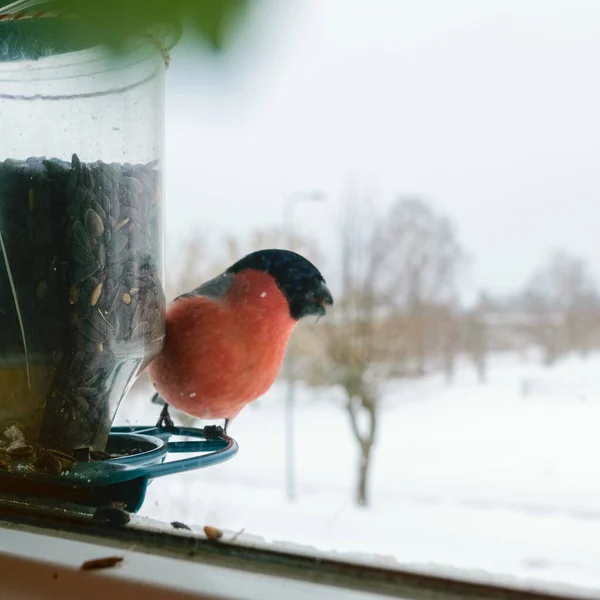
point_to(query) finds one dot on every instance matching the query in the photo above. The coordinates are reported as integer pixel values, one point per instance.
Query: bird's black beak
(314, 302)
(323, 299)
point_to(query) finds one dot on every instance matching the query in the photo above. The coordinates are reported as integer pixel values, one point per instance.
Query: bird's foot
(165, 418)
(212, 432)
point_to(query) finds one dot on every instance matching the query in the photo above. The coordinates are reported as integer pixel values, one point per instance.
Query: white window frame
(41, 553)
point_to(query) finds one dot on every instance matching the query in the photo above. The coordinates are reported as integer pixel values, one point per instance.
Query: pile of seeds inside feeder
(81, 240)
(49, 460)
(16, 454)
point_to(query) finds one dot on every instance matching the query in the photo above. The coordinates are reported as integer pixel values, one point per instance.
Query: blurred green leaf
(112, 22)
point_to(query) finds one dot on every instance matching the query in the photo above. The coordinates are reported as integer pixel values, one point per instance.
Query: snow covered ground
(499, 477)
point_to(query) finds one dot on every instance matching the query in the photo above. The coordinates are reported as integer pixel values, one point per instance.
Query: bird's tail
(157, 399)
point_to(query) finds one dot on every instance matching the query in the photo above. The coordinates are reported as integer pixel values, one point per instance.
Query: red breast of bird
(222, 353)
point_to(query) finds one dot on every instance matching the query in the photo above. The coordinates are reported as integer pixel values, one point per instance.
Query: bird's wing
(213, 288)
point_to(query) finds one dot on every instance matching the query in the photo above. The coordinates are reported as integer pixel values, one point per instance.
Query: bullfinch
(226, 339)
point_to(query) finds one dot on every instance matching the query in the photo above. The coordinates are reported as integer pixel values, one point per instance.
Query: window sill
(40, 567)
(41, 555)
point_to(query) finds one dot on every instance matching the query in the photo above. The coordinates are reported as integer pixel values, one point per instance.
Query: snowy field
(499, 477)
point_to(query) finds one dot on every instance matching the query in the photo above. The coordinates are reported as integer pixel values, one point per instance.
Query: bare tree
(396, 274)
(562, 301)
(425, 257)
(475, 335)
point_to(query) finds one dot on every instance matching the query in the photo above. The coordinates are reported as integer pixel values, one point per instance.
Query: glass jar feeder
(81, 232)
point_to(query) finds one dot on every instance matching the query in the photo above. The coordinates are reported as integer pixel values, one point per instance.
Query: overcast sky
(490, 109)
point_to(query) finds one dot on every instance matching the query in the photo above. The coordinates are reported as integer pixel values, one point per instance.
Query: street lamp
(288, 227)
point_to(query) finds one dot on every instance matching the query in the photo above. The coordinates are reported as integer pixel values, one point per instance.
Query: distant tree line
(397, 314)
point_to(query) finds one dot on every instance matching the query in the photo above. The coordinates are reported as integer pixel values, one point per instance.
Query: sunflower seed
(94, 223)
(41, 289)
(21, 452)
(47, 462)
(96, 294)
